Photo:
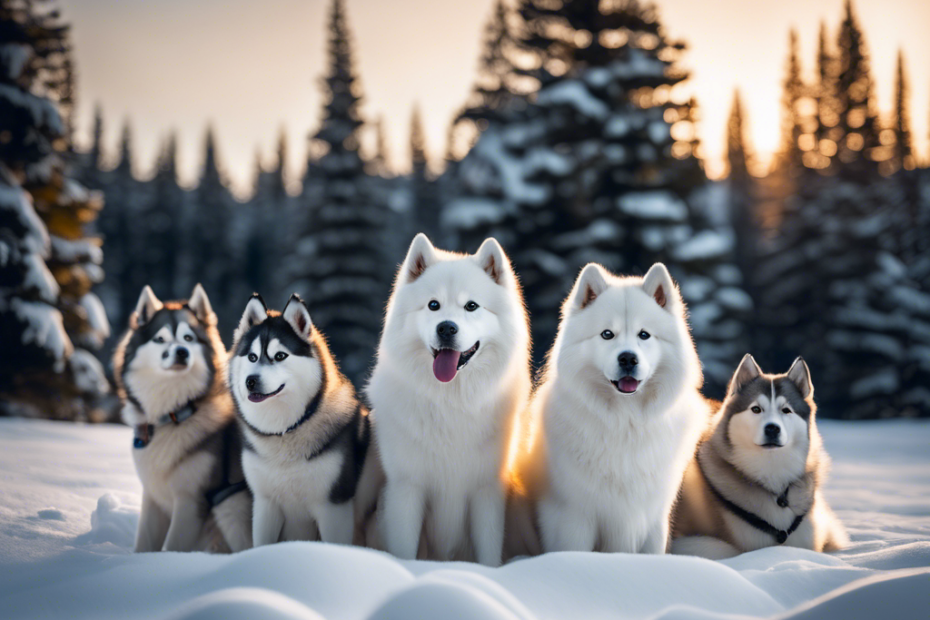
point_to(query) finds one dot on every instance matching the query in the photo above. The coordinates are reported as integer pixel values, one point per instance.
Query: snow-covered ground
(69, 504)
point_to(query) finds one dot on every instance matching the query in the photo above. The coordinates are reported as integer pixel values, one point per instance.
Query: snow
(96, 317)
(705, 245)
(44, 328)
(653, 205)
(575, 94)
(89, 375)
(13, 57)
(70, 506)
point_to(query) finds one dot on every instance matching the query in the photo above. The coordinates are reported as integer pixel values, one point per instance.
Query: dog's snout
(627, 361)
(182, 354)
(772, 431)
(251, 382)
(447, 330)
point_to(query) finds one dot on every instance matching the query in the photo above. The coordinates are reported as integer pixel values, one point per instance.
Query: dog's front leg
(657, 539)
(403, 518)
(487, 524)
(564, 528)
(267, 521)
(153, 526)
(187, 519)
(337, 523)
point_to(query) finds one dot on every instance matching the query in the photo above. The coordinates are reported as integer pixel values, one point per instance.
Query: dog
(451, 376)
(757, 475)
(170, 368)
(306, 433)
(613, 423)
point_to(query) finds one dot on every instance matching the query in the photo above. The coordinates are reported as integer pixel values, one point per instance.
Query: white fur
(614, 461)
(443, 445)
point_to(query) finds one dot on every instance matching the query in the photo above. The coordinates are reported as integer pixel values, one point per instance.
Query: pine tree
(45, 302)
(425, 210)
(343, 275)
(791, 156)
(903, 153)
(826, 133)
(858, 123)
(162, 227)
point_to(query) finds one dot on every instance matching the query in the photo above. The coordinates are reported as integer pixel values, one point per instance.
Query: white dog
(614, 422)
(451, 376)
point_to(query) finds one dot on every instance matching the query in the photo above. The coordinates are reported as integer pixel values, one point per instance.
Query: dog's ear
(255, 313)
(420, 256)
(659, 285)
(146, 307)
(747, 371)
(298, 316)
(199, 304)
(591, 282)
(493, 260)
(800, 375)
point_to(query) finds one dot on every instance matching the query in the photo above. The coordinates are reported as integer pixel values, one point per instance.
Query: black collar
(752, 519)
(145, 432)
(309, 411)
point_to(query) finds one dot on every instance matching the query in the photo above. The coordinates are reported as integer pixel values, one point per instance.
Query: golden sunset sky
(252, 68)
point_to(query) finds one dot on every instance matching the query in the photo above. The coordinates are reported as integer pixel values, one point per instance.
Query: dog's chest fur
(183, 459)
(626, 470)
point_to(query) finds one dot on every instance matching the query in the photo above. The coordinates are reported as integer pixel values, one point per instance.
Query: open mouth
(257, 397)
(626, 385)
(447, 362)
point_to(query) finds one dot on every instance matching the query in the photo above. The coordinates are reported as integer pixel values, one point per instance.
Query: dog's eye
(158, 339)
(607, 334)
(756, 409)
(253, 358)
(188, 338)
(471, 306)
(433, 305)
(786, 410)
(644, 335)
(280, 356)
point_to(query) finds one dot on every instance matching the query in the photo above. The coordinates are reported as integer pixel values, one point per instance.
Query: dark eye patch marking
(269, 329)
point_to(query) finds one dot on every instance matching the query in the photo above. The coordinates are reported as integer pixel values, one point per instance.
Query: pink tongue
(445, 365)
(628, 384)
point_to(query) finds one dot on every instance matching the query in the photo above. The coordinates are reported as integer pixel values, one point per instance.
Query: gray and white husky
(614, 422)
(756, 478)
(170, 368)
(306, 433)
(451, 377)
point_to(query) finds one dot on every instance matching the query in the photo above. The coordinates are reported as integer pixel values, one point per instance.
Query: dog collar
(753, 519)
(145, 432)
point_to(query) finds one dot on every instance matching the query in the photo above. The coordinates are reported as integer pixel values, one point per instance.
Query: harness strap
(752, 519)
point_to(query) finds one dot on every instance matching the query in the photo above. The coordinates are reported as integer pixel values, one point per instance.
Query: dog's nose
(772, 431)
(446, 330)
(182, 354)
(627, 361)
(251, 382)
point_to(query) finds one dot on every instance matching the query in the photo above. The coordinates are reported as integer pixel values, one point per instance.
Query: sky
(253, 69)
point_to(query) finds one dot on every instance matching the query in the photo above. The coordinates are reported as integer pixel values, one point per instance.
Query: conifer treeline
(577, 144)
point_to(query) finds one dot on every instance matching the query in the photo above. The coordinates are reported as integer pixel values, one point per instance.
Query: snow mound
(111, 522)
(50, 568)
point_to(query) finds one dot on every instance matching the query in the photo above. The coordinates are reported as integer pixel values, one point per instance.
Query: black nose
(772, 431)
(181, 354)
(446, 330)
(251, 382)
(627, 361)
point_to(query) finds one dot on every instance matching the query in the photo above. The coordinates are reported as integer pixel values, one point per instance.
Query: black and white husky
(170, 369)
(451, 377)
(306, 432)
(756, 477)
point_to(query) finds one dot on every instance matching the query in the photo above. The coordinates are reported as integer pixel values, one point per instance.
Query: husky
(306, 433)
(756, 478)
(452, 373)
(614, 422)
(170, 369)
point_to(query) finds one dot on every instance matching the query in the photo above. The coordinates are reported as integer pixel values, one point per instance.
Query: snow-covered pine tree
(43, 311)
(858, 135)
(425, 203)
(341, 270)
(826, 132)
(903, 151)
(605, 169)
(791, 155)
(161, 225)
